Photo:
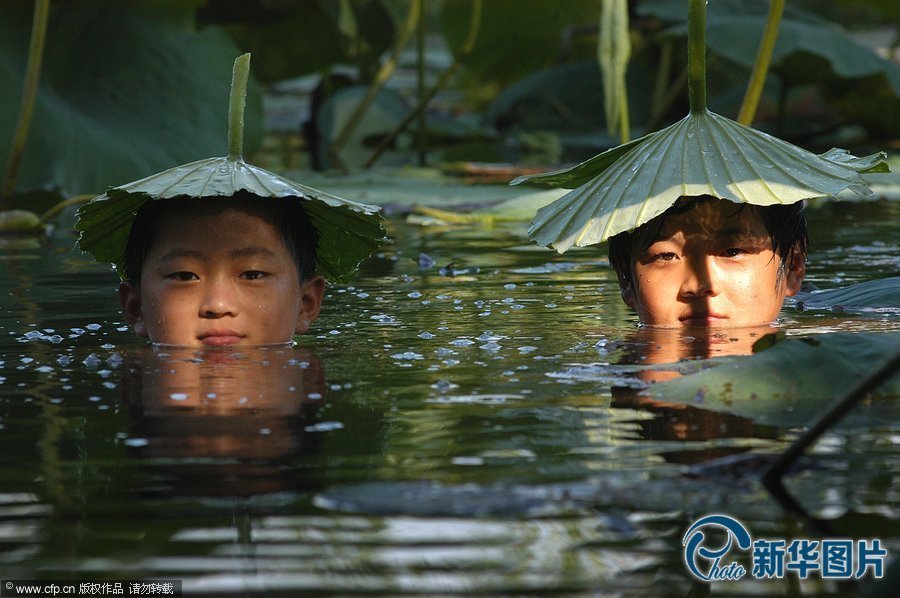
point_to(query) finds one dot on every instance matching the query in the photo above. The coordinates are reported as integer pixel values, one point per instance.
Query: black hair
(786, 224)
(290, 219)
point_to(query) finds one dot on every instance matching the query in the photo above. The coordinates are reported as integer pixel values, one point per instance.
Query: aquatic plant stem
(236, 103)
(29, 94)
(381, 77)
(474, 26)
(761, 66)
(697, 55)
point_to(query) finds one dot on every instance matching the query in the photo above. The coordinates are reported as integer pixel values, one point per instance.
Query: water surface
(472, 426)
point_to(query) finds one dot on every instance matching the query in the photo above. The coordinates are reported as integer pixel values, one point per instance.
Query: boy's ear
(312, 291)
(626, 289)
(627, 292)
(130, 298)
(795, 271)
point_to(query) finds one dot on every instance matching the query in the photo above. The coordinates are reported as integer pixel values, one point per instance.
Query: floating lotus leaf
(348, 231)
(702, 154)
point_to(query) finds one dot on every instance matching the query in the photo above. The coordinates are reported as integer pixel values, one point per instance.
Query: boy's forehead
(717, 218)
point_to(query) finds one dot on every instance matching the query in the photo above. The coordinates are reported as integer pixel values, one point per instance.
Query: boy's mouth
(703, 319)
(218, 338)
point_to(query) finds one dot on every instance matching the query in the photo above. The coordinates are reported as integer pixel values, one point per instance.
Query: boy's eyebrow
(253, 250)
(250, 251)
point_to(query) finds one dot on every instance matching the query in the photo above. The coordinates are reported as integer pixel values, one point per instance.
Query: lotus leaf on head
(702, 154)
(348, 231)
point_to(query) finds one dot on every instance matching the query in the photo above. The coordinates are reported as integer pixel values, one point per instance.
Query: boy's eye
(253, 275)
(666, 256)
(182, 276)
(733, 252)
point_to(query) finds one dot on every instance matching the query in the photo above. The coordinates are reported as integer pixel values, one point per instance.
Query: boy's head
(712, 262)
(221, 271)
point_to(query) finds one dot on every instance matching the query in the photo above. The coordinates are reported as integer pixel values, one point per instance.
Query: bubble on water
(334, 386)
(509, 286)
(444, 352)
(78, 331)
(314, 396)
(109, 385)
(425, 335)
(94, 399)
(33, 335)
(517, 306)
(265, 431)
(104, 373)
(467, 461)
(407, 356)
(211, 395)
(123, 328)
(491, 346)
(550, 305)
(334, 332)
(462, 342)
(383, 319)
(488, 335)
(479, 303)
(92, 361)
(55, 339)
(136, 442)
(93, 326)
(444, 385)
(178, 396)
(525, 350)
(449, 362)
(45, 369)
(484, 313)
(324, 426)
(114, 360)
(507, 300)
(414, 295)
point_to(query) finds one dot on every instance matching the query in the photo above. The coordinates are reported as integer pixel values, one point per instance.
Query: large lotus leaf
(126, 88)
(518, 37)
(348, 231)
(793, 381)
(734, 28)
(702, 154)
(879, 296)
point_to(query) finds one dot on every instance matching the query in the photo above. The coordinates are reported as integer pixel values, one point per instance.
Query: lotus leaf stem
(236, 103)
(29, 94)
(761, 66)
(697, 55)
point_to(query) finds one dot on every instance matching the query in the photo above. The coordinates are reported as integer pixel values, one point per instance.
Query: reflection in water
(677, 421)
(223, 422)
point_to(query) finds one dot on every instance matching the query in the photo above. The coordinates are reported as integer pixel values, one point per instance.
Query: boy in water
(221, 272)
(709, 262)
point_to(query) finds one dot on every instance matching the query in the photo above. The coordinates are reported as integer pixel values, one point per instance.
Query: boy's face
(220, 277)
(711, 266)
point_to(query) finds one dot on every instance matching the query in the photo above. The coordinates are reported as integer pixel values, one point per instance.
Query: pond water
(473, 433)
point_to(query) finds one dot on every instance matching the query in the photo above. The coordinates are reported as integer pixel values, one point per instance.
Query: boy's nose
(700, 279)
(217, 301)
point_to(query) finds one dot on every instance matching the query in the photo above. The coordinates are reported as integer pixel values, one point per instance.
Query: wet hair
(786, 224)
(290, 219)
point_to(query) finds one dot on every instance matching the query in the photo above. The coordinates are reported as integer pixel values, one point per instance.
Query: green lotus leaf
(702, 154)
(348, 231)
(793, 381)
